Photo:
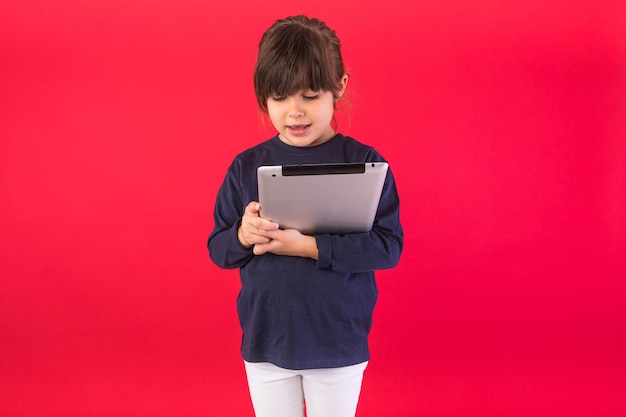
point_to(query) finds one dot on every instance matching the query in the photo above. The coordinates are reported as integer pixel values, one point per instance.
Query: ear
(344, 84)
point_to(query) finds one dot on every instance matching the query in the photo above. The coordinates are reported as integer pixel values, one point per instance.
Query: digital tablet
(322, 198)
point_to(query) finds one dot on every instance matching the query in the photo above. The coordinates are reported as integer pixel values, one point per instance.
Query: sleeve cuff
(323, 251)
(236, 244)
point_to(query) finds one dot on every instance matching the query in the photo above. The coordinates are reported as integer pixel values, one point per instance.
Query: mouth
(298, 130)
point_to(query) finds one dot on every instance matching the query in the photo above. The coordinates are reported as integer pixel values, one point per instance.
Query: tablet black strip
(323, 169)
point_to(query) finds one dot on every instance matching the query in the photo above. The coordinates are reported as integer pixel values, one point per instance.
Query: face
(303, 119)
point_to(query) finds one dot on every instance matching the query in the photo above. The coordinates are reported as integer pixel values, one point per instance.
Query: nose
(296, 107)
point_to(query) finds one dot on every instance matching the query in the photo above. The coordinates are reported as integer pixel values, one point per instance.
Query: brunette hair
(297, 53)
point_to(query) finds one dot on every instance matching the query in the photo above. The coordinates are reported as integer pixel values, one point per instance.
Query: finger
(260, 248)
(255, 238)
(271, 234)
(257, 225)
(253, 208)
(267, 225)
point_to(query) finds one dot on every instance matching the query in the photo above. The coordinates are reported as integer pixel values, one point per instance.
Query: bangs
(297, 70)
(292, 62)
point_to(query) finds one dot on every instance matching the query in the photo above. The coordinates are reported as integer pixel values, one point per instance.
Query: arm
(224, 246)
(356, 252)
(378, 249)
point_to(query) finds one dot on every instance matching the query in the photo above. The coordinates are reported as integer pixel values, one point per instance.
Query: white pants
(278, 392)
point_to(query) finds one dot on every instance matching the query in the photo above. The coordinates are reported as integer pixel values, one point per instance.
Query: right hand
(252, 225)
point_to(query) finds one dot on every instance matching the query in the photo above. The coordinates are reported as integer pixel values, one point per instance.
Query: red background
(504, 123)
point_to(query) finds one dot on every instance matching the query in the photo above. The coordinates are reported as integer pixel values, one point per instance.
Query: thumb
(253, 208)
(260, 248)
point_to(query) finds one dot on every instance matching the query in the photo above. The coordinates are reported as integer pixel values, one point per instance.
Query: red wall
(505, 127)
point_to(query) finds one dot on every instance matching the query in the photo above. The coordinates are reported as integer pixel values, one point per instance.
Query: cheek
(273, 115)
(328, 110)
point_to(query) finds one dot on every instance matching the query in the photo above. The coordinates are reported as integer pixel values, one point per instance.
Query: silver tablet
(322, 198)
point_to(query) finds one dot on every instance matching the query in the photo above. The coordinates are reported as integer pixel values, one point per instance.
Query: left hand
(288, 242)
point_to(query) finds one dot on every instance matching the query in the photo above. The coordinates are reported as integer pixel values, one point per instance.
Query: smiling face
(304, 119)
(298, 78)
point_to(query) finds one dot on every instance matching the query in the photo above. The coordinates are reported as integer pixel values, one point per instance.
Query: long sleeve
(361, 252)
(224, 246)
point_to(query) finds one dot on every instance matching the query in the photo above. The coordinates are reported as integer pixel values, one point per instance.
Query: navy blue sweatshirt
(295, 312)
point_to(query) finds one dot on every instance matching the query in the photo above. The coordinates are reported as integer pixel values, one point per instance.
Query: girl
(306, 302)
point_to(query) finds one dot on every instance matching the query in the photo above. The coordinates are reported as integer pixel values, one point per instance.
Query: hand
(252, 226)
(287, 242)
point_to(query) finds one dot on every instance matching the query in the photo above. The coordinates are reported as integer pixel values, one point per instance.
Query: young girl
(306, 302)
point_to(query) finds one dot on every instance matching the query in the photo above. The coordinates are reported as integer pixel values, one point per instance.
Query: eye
(310, 96)
(278, 98)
